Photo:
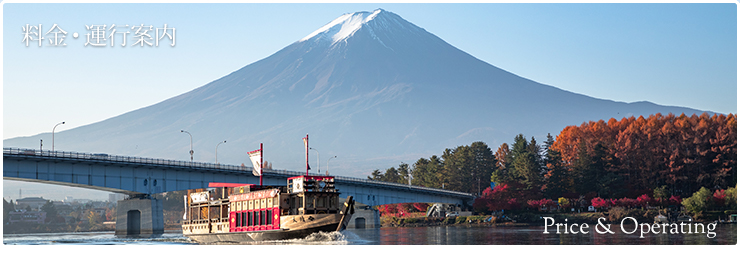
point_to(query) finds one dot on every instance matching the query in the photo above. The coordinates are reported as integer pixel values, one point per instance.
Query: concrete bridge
(141, 177)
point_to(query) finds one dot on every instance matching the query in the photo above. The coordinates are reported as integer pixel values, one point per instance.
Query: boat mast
(262, 154)
(305, 143)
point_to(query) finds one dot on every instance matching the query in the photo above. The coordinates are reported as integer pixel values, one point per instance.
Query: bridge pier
(364, 217)
(139, 216)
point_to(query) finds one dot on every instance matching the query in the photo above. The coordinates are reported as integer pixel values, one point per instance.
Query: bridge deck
(139, 175)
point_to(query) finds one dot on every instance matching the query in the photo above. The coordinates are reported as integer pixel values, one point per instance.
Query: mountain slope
(369, 87)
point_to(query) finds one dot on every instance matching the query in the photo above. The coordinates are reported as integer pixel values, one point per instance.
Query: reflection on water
(530, 235)
(534, 235)
(91, 238)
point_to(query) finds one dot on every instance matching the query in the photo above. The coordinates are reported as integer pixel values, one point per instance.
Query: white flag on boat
(256, 157)
(305, 143)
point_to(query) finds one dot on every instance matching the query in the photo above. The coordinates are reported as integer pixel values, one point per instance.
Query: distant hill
(369, 87)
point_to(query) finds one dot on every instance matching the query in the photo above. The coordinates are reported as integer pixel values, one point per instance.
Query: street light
(327, 164)
(191, 144)
(217, 150)
(318, 159)
(52, 135)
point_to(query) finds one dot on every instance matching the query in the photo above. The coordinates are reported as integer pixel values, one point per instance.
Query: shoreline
(526, 219)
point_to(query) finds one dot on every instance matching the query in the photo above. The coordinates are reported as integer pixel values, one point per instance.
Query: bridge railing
(202, 165)
(435, 190)
(122, 159)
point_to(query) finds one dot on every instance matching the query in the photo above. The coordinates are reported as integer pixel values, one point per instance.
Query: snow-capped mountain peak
(343, 27)
(385, 91)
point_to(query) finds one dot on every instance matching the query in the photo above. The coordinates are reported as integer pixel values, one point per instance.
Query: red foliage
(401, 209)
(480, 204)
(421, 207)
(406, 208)
(598, 202)
(387, 209)
(626, 202)
(719, 197)
(110, 214)
(512, 204)
(644, 200)
(612, 202)
(498, 188)
(501, 197)
(538, 204)
(675, 200)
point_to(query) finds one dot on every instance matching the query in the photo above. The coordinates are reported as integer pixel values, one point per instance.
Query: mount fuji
(369, 87)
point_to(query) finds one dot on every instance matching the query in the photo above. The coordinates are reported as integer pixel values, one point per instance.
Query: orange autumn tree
(682, 152)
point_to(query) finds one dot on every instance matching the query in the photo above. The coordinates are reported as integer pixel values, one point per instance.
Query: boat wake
(324, 237)
(317, 238)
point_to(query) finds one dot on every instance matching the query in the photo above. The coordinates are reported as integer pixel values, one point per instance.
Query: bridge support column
(139, 216)
(364, 217)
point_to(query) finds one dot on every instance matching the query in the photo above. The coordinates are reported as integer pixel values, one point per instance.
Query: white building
(33, 202)
(115, 197)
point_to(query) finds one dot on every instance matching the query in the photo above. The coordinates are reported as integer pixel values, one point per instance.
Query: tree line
(613, 159)
(465, 168)
(636, 155)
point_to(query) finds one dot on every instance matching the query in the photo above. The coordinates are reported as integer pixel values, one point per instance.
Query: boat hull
(291, 227)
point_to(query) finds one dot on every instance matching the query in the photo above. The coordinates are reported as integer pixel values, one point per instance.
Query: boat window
(250, 219)
(333, 202)
(309, 202)
(244, 219)
(263, 218)
(268, 216)
(321, 202)
(238, 219)
(292, 205)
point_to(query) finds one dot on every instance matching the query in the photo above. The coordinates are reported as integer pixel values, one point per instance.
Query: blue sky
(669, 54)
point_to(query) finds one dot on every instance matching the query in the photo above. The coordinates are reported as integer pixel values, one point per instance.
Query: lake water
(726, 234)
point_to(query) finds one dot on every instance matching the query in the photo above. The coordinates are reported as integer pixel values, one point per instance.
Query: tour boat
(236, 213)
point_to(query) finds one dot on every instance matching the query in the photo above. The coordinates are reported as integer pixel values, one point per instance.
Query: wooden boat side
(297, 226)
